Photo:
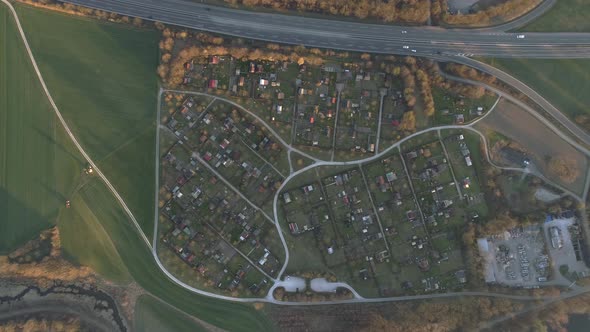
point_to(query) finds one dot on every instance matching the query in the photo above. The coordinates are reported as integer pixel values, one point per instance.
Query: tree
(159, 25)
(366, 57)
(408, 122)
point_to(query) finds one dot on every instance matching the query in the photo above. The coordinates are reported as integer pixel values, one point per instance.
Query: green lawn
(102, 77)
(565, 16)
(85, 241)
(153, 315)
(565, 83)
(36, 170)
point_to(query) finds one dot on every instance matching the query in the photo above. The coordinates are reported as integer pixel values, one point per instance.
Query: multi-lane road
(347, 35)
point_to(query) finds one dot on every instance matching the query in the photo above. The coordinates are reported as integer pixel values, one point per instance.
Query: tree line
(66, 324)
(85, 11)
(410, 11)
(404, 11)
(503, 12)
(50, 267)
(401, 11)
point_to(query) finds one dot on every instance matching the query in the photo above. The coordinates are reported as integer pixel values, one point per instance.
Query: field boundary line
(67, 128)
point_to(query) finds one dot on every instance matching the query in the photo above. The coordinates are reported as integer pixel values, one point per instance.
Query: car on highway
(404, 31)
(520, 36)
(414, 51)
(406, 47)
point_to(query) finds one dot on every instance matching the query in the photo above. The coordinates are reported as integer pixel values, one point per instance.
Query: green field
(85, 241)
(37, 172)
(565, 83)
(565, 16)
(102, 77)
(153, 315)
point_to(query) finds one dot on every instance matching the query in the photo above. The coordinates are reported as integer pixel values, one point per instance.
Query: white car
(404, 31)
(520, 36)
(406, 47)
(413, 51)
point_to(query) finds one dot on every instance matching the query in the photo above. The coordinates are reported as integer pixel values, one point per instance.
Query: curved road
(524, 19)
(350, 36)
(526, 90)
(562, 119)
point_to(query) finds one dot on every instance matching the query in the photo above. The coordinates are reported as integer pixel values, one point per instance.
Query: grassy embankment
(153, 315)
(565, 16)
(563, 82)
(106, 119)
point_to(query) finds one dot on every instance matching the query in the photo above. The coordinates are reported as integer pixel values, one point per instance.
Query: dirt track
(539, 141)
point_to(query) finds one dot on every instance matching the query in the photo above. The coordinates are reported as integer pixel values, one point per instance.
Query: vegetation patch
(37, 171)
(101, 77)
(563, 82)
(541, 146)
(85, 241)
(565, 16)
(152, 315)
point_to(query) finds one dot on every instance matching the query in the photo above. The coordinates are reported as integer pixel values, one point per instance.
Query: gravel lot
(565, 255)
(518, 257)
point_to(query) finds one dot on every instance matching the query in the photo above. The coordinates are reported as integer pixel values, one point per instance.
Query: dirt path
(540, 142)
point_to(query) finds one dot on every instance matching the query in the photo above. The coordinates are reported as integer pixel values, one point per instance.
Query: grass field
(153, 315)
(36, 170)
(565, 83)
(102, 77)
(85, 241)
(566, 15)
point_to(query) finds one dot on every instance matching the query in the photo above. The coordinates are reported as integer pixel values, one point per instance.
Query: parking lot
(516, 258)
(569, 254)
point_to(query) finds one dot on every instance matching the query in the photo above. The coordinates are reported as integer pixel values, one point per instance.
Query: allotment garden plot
(213, 180)
(379, 230)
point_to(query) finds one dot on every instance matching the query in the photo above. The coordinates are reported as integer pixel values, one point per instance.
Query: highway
(352, 36)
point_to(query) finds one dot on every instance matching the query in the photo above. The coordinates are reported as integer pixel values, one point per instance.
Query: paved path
(252, 114)
(324, 286)
(374, 208)
(572, 127)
